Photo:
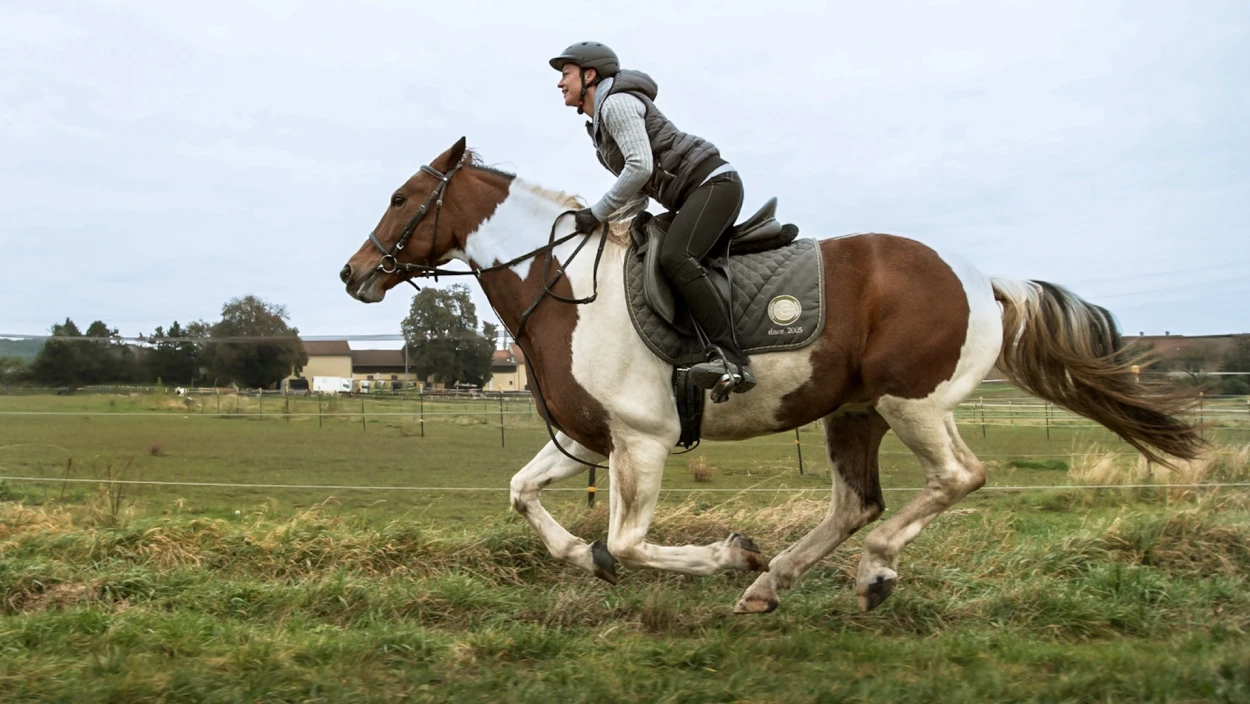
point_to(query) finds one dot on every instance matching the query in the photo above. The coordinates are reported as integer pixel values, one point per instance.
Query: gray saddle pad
(778, 302)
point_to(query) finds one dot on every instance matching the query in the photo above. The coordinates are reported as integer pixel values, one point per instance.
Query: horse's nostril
(346, 273)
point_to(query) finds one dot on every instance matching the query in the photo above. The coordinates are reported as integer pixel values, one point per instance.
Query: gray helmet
(589, 55)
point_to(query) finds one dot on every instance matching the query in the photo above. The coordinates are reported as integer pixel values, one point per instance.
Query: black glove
(585, 221)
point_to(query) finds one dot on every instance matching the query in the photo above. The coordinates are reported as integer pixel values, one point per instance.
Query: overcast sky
(159, 158)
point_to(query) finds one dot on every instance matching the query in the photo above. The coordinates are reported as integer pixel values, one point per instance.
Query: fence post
(981, 402)
(1201, 415)
(502, 443)
(218, 401)
(363, 429)
(421, 400)
(319, 422)
(799, 446)
(287, 402)
(1047, 420)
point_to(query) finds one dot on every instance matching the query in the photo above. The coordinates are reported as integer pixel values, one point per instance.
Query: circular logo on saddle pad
(785, 310)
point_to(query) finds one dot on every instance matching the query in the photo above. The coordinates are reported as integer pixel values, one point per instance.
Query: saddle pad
(778, 302)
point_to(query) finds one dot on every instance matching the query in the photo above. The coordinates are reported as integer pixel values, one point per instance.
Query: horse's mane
(618, 230)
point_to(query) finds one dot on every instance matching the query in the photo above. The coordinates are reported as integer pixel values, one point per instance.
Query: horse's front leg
(636, 467)
(550, 466)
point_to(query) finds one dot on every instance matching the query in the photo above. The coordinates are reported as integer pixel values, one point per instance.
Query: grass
(1139, 603)
(132, 593)
(461, 447)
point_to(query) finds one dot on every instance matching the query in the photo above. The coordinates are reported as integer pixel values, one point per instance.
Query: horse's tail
(1066, 350)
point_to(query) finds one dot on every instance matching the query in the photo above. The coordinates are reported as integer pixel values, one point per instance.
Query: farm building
(329, 358)
(507, 370)
(381, 366)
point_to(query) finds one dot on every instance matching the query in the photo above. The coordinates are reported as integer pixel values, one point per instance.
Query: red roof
(512, 355)
(325, 348)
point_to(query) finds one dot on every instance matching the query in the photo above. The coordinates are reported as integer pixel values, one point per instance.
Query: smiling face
(570, 84)
(364, 275)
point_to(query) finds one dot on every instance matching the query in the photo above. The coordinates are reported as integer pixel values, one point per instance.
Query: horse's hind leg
(852, 439)
(550, 466)
(951, 473)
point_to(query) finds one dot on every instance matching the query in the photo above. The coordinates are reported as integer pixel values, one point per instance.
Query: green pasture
(163, 593)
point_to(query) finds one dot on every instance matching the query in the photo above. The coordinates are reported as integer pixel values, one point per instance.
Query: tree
(1237, 359)
(109, 360)
(260, 364)
(104, 360)
(442, 338)
(60, 362)
(170, 360)
(12, 370)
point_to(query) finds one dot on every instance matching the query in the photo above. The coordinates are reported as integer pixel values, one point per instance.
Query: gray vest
(681, 160)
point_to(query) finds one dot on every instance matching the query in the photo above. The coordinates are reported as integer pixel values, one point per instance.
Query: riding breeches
(696, 230)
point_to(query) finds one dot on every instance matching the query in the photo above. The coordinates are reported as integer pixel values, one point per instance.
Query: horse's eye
(397, 199)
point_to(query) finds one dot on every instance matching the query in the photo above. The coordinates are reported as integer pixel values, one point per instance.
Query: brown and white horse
(910, 333)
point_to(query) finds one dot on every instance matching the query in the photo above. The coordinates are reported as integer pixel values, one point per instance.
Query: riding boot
(727, 368)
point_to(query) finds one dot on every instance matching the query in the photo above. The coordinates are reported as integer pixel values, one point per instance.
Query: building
(381, 366)
(507, 370)
(1186, 353)
(330, 358)
(368, 368)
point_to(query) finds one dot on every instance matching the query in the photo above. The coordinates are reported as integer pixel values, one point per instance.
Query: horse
(909, 334)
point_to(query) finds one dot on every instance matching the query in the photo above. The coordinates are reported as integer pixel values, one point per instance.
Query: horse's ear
(456, 154)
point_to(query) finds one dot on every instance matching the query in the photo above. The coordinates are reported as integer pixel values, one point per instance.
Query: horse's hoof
(755, 560)
(756, 605)
(871, 595)
(605, 564)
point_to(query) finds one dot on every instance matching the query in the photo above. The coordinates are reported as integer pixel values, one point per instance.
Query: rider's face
(571, 84)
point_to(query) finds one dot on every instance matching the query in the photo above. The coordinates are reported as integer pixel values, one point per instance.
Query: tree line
(198, 353)
(441, 333)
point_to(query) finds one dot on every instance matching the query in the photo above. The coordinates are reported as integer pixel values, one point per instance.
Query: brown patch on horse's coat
(853, 439)
(876, 341)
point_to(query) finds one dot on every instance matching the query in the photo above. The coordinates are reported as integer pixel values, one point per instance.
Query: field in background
(135, 593)
(297, 442)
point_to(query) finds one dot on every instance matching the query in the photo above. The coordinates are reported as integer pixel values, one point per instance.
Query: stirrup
(721, 378)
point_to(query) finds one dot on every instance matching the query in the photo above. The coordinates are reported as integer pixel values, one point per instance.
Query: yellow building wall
(328, 365)
(507, 381)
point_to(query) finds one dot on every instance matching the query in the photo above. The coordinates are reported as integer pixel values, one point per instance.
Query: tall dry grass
(1134, 476)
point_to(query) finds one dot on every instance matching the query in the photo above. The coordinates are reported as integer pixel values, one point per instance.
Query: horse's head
(425, 224)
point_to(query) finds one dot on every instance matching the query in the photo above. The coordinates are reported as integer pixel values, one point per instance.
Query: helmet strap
(581, 99)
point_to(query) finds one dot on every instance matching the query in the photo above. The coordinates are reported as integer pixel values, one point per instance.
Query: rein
(390, 264)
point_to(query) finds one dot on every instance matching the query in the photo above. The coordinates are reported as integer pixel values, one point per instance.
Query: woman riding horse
(684, 173)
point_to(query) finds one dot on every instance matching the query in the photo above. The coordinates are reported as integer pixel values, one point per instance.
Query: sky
(158, 159)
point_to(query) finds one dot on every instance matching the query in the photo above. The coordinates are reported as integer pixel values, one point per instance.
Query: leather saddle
(759, 233)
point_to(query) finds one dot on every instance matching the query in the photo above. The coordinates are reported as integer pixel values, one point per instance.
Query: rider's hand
(585, 221)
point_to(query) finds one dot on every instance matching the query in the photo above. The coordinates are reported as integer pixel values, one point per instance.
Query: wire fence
(428, 412)
(677, 490)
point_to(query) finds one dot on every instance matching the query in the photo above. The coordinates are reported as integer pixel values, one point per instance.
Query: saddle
(759, 233)
(773, 281)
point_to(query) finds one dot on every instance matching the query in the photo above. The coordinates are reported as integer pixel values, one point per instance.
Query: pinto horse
(909, 334)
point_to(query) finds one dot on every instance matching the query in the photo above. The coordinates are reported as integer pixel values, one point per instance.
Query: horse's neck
(522, 224)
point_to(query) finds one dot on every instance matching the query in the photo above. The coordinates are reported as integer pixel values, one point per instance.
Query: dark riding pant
(696, 232)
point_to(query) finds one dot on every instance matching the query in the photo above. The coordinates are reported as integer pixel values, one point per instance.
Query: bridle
(390, 264)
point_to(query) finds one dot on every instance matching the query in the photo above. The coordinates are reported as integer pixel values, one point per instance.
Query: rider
(684, 173)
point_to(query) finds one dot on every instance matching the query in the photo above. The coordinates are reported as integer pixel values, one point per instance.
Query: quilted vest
(681, 160)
